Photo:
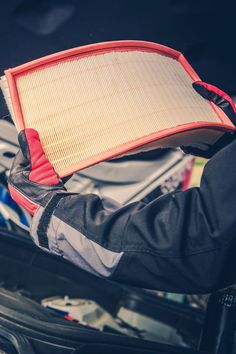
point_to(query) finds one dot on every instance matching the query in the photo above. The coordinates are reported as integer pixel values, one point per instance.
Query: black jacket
(180, 242)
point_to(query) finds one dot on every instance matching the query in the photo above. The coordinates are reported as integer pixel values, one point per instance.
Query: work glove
(225, 102)
(33, 182)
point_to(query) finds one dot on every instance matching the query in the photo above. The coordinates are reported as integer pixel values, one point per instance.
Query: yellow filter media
(85, 106)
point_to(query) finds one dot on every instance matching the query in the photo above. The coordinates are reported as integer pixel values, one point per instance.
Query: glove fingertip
(28, 135)
(24, 147)
(21, 136)
(200, 88)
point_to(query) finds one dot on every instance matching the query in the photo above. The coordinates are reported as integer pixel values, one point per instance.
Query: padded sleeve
(181, 242)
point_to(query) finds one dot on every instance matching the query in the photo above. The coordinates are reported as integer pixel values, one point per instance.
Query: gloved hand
(225, 102)
(33, 181)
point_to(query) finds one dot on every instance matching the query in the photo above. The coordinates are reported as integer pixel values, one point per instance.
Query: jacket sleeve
(181, 242)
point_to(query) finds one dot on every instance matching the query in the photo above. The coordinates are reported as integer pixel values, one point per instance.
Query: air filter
(99, 101)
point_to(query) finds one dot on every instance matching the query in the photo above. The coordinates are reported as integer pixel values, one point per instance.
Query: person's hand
(33, 182)
(225, 102)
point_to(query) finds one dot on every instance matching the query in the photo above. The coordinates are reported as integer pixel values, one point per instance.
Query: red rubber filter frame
(14, 74)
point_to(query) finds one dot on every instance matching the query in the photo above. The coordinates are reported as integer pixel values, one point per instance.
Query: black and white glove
(223, 101)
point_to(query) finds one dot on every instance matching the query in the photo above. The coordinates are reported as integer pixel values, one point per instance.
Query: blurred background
(203, 30)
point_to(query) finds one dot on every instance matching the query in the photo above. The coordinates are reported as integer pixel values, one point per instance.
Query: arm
(181, 242)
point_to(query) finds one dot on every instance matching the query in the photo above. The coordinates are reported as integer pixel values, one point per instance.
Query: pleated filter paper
(92, 105)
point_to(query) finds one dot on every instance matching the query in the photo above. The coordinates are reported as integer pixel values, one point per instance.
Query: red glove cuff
(23, 201)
